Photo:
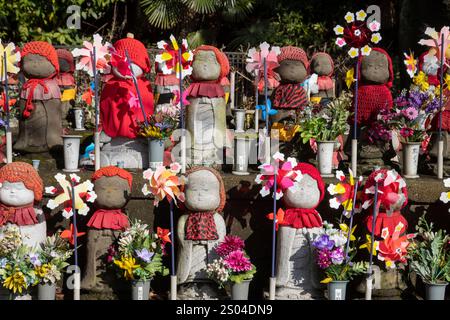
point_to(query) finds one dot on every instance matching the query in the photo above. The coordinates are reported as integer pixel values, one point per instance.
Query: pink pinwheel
(393, 248)
(285, 173)
(435, 41)
(102, 56)
(163, 183)
(169, 60)
(255, 64)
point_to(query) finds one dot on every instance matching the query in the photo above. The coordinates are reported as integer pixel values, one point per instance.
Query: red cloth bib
(21, 216)
(65, 79)
(205, 89)
(302, 218)
(113, 219)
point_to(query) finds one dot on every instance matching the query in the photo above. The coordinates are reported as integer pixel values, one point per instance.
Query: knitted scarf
(201, 226)
(290, 96)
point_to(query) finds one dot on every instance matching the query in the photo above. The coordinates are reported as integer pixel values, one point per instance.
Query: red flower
(406, 132)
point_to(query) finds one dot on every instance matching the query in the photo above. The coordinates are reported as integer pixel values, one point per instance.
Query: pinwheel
(102, 58)
(12, 59)
(266, 109)
(169, 59)
(435, 41)
(344, 192)
(393, 248)
(410, 63)
(255, 59)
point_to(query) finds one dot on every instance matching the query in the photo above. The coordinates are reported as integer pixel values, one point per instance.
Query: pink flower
(410, 113)
(406, 132)
(229, 244)
(324, 258)
(238, 262)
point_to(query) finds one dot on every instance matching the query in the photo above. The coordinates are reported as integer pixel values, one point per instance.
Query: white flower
(83, 210)
(338, 30)
(147, 174)
(447, 183)
(357, 32)
(376, 37)
(91, 196)
(444, 197)
(340, 175)
(331, 189)
(175, 167)
(361, 15)
(366, 50)
(353, 52)
(278, 156)
(52, 204)
(279, 195)
(349, 17)
(293, 161)
(334, 203)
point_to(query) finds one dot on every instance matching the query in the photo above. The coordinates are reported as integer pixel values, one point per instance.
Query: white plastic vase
(239, 119)
(79, 119)
(71, 152)
(325, 157)
(241, 153)
(411, 159)
(155, 153)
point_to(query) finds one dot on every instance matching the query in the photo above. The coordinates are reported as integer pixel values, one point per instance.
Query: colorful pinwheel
(393, 248)
(285, 173)
(435, 41)
(12, 59)
(102, 58)
(344, 193)
(410, 63)
(84, 191)
(357, 34)
(169, 60)
(163, 183)
(255, 64)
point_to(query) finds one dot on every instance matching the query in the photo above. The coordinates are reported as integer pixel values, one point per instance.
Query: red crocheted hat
(136, 51)
(112, 171)
(220, 56)
(23, 172)
(44, 49)
(329, 58)
(66, 55)
(309, 169)
(391, 70)
(294, 53)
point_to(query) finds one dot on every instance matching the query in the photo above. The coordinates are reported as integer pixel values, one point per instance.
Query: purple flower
(323, 242)
(229, 244)
(410, 113)
(145, 255)
(337, 255)
(238, 262)
(324, 258)
(34, 259)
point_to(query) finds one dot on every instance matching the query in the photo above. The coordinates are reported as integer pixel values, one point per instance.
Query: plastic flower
(353, 52)
(376, 37)
(340, 42)
(344, 192)
(323, 242)
(393, 248)
(145, 255)
(366, 50)
(128, 265)
(337, 256)
(435, 40)
(164, 183)
(406, 132)
(102, 55)
(350, 77)
(15, 282)
(344, 228)
(164, 235)
(338, 30)
(361, 15)
(12, 59)
(324, 258)
(445, 196)
(410, 63)
(368, 245)
(229, 244)
(169, 59)
(374, 26)
(83, 192)
(237, 261)
(349, 17)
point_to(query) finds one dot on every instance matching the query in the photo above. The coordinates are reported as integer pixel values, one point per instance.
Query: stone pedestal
(133, 153)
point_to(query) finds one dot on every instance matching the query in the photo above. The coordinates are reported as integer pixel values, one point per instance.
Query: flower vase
(435, 291)
(140, 289)
(71, 152)
(239, 291)
(155, 153)
(337, 290)
(239, 120)
(241, 154)
(325, 157)
(47, 291)
(78, 114)
(410, 159)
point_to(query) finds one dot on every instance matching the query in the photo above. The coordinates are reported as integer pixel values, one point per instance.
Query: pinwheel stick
(8, 128)
(274, 232)
(355, 121)
(369, 277)
(96, 133)
(76, 292)
(173, 276)
(267, 138)
(183, 124)
(141, 104)
(441, 141)
(347, 247)
(256, 104)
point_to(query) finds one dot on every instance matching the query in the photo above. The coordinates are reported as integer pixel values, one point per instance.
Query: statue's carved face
(375, 68)
(292, 71)
(205, 66)
(321, 65)
(15, 194)
(112, 192)
(202, 191)
(64, 65)
(36, 66)
(306, 196)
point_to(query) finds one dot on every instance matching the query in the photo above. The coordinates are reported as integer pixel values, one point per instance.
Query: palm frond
(163, 14)
(202, 6)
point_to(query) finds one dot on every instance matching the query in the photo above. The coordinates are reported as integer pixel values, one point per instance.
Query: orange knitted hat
(220, 56)
(44, 49)
(293, 53)
(66, 55)
(136, 51)
(112, 171)
(23, 172)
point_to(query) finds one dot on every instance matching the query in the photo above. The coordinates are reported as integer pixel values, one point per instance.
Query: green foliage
(429, 253)
(344, 271)
(239, 277)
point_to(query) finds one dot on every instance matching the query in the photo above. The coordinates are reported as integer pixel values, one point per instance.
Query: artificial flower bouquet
(233, 264)
(332, 256)
(138, 253)
(50, 259)
(17, 272)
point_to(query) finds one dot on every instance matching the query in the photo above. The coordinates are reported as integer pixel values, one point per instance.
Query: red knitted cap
(112, 171)
(293, 53)
(312, 171)
(136, 51)
(66, 55)
(43, 49)
(220, 56)
(391, 70)
(329, 58)
(23, 172)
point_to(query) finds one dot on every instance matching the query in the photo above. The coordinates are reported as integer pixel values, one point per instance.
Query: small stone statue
(200, 231)
(322, 64)
(120, 109)
(20, 190)
(206, 114)
(297, 277)
(66, 81)
(113, 187)
(40, 99)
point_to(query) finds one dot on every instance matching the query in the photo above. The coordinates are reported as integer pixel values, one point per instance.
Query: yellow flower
(447, 80)
(128, 264)
(376, 37)
(326, 280)
(338, 30)
(344, 228)
(15, 282)
(285, 133)
(361, 15)
(42, 270)
(349, 17)
(365, 51)
(353, 52)
(350, 77)
(368, 245)
(421, 80)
